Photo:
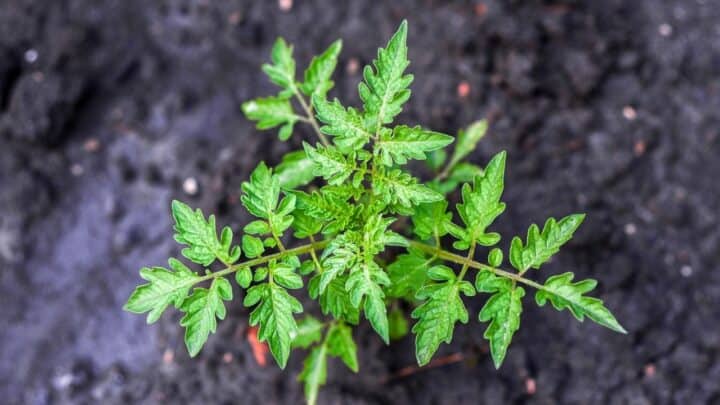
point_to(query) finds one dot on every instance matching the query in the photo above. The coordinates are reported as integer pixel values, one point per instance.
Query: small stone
(629, 113)
(530, 386)
(285, 5)
(630, 229)
(168, 356)
(463, 89)
(234, 18)
(649, 370)
(77, 170)
(352, 66)
(227, 358)
(62, 381)
(91, 145)
(190, 186)
(481, 9)
(639, 148)
(31, 55)
(665, 29)
(686, 271)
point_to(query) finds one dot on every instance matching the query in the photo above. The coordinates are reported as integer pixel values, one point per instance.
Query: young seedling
(356, 186)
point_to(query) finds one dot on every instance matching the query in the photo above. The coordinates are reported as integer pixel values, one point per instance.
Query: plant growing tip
(337, 198)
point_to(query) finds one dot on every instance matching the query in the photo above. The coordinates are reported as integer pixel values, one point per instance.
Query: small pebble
(190, 186)
(630, 229)
(686, 271)
(285, 5)
(629, 113)
(530, 386)
(31, 55)
(234, 18)
(77, 169)
(63, 381)
(463, 89)
(91, 145)
(352, 66)
(649, 370)
(168, 356)
(665, 29)
(227, 358)
(481, 9)
(639, 148)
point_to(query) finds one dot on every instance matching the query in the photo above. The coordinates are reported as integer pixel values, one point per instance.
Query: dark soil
(609, 107)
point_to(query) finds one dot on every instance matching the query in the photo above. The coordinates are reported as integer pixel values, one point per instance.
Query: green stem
(452, 257)
(318, 266)
(468, 259)
(300, 250)
(442, 175)
(310, 117)
(275, 236)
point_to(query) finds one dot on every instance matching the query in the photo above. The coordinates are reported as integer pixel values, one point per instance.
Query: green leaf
(262, 192)
(314, 373)
(282, 69)
(257, 227)
(376, 235)
(339, 256)
(398, 324)
(281, 219)
(495, 257)
(164, 288)
(441, 273)
(540, 246)
(261, 274)
(309, 332)
(463, 172)
(305, 225)
(244, 277)
(200, 236)
(481, 203)
(366, 281)
(334, 300)
(317, 75)
(201, 310)
(271, 112)
(284, 274)
(398, 187)
(252, 246)
(431, 219)
(436, 159)
(436, 317)
(332, 211)
(340, 344)
(564, 294)
(330, 163)
(274, 315)
(503, 310)
(385, 88)
(408, 274)
(295, 170)
(345, 125)
(467, 141)
(404, 143)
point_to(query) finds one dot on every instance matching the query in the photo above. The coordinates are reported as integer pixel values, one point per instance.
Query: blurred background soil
(108, 109)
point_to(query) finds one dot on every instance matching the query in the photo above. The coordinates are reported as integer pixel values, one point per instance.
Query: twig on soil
(259, 349)
(410, 370)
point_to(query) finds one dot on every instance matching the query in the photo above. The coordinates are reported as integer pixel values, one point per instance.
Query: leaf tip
(498, 362)
(615, 326)
(403, 25)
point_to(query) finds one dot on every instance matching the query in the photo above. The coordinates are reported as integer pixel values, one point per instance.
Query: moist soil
(107, 108)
